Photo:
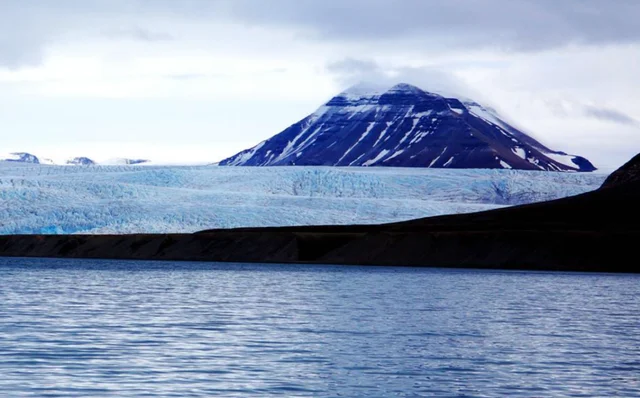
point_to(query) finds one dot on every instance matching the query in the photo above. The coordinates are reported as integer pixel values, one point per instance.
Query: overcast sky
(198, 80)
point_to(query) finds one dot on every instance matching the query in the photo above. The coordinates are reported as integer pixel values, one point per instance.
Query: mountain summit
(405, 126)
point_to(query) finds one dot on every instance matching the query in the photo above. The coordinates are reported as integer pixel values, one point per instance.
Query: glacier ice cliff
(154, 199)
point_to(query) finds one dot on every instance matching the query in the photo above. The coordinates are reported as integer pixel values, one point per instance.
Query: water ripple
(78, 328)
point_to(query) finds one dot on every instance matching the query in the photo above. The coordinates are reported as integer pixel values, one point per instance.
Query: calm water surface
(133, 329)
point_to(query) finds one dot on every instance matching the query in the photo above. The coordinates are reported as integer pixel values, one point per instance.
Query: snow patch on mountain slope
(366, 132)
(375, 160)
(248, 154)
(364, 89)
(397, 153)
(438, 158)
(520, 152)
(483, 113)
(566, 160)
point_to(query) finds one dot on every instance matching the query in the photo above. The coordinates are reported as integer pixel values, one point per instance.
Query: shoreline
(592, 232)
(582, 251)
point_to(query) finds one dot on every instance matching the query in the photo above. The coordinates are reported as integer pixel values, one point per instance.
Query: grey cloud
(578, 109)
(523, 25)
(206, 76)
(138, 34)
(14, 56)
(352, 66)
(610, 115)
(27, 27)
(352, 71)
(22, 38)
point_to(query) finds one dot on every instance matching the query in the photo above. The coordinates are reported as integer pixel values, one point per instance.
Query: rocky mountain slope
(405, 126)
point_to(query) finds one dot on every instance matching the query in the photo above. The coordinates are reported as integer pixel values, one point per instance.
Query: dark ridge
(628, 173)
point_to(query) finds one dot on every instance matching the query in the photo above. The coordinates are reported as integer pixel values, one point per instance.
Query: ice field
(132, 199)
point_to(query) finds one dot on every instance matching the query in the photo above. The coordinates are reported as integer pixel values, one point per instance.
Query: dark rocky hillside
(406, 127)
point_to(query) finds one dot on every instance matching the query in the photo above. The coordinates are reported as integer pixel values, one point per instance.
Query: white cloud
(221, 75)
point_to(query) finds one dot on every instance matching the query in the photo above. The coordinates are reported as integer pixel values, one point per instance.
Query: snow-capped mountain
(21, 157)
(81, 161)
(405, 126)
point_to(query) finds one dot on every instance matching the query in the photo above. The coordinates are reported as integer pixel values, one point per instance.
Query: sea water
(92, 328)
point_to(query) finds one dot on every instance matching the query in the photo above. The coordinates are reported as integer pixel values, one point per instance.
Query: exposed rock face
(629, 173)
(406, 127)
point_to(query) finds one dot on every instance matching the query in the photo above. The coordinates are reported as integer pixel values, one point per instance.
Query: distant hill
(25, 157)
(81, 161)
(21, 157)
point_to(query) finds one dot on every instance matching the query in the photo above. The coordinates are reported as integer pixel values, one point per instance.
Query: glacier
(48, 199)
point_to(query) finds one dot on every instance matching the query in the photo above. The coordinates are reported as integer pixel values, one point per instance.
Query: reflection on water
(129, 329)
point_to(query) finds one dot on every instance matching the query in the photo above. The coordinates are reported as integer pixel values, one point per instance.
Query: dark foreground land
(596, 231)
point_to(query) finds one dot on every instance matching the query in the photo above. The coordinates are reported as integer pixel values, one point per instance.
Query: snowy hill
(128, 199)
(21, 157)
(25, 157)
(81, 161)
(405, 126)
